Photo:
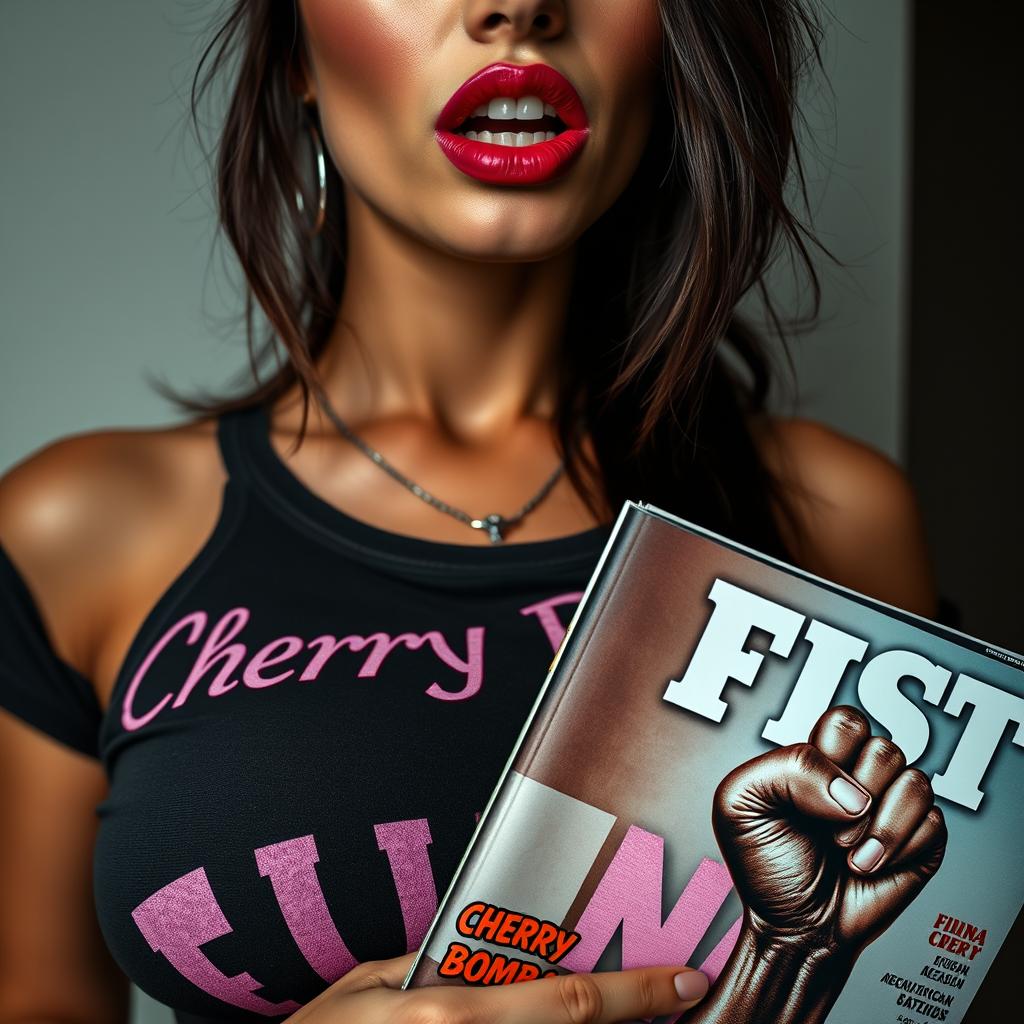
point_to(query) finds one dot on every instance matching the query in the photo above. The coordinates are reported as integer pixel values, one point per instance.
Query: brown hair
(653, 306)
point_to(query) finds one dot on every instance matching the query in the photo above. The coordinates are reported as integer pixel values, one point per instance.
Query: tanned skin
(440, 358)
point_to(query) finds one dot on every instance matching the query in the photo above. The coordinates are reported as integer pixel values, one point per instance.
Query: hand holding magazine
(811, 796)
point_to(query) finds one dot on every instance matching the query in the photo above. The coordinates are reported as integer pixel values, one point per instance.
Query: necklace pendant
(493, 524)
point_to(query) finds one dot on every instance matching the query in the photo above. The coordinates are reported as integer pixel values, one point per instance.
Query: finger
(924, 850)
(376, 974)
(878, 763)
(795, 778)
(611, 997)
(840, 733)
(604, 998)
(902, 808)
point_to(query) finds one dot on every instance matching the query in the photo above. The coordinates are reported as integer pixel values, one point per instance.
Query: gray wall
(104, 219)
(850, 367)
(105, 230)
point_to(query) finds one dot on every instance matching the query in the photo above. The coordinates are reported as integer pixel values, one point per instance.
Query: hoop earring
(321, 171)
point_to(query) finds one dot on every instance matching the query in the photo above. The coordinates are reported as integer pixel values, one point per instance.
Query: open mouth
(511, 121)
(513, 124)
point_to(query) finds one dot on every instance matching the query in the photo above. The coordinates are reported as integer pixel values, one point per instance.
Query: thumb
(800, 777)
(376, 974)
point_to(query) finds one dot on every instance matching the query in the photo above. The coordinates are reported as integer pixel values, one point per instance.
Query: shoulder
(79, 487)
(79, 517)
(855, 511)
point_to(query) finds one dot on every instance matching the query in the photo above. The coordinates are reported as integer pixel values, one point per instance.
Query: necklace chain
(494, 524)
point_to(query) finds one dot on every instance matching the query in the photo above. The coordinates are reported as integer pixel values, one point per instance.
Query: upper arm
(95, 524)
(857, 519)
(54, 963)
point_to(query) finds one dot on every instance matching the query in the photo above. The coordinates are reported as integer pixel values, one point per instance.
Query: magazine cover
(812, 796)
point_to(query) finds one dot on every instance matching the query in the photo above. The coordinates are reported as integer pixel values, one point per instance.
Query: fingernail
(691, 985)
(851, 798)
(868, 855)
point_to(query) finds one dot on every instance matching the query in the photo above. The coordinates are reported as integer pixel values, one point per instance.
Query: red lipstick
(523, 164)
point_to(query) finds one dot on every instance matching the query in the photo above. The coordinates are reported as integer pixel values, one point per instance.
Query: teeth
(502, 108)
(507, 108)
(529, 108)
(513, 139)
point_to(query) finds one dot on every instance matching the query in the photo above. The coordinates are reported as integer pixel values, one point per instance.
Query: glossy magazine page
(812, 797)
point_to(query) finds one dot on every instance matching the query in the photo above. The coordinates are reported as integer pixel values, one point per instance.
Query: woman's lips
(513, 165)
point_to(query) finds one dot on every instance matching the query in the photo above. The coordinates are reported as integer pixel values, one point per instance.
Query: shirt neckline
(276, 478)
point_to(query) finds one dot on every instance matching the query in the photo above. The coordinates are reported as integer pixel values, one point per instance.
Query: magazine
(810, 795)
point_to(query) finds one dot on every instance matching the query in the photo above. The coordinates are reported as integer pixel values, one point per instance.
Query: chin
(489, 252)
(506, 234)
(481, 223)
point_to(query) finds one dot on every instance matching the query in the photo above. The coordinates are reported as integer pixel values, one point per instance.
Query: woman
(284, 679)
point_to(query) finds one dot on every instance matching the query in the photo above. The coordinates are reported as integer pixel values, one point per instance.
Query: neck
(466, 345)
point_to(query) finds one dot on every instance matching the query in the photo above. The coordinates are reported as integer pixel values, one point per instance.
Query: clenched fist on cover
(827, 842)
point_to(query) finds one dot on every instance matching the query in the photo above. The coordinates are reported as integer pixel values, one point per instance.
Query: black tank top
(301, 738)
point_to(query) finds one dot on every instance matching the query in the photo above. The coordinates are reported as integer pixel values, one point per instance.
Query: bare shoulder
(90, 487)
(856, 511)
(85, 518)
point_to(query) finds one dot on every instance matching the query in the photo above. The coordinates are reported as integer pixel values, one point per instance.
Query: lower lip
(512, 165)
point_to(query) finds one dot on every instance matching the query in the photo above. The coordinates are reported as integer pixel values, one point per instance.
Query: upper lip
(514, 80)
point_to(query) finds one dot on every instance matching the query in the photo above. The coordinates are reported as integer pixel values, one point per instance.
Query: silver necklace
(494, 523)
